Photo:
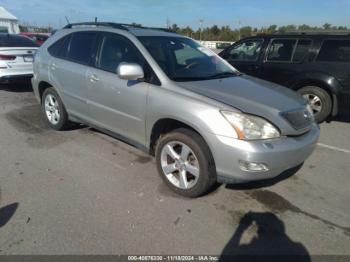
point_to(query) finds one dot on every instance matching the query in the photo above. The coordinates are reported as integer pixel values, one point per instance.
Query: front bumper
(278, 154)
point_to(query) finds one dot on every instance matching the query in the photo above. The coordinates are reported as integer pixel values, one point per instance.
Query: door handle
(94, 78)
(53, 66)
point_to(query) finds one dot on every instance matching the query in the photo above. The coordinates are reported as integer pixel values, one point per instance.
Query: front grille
(298, 119)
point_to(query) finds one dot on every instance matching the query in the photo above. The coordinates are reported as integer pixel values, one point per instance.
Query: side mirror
(130, 71)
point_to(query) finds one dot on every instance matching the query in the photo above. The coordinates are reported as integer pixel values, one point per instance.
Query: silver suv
(164, 93)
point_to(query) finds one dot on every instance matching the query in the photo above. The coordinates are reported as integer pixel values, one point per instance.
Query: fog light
(252, 167)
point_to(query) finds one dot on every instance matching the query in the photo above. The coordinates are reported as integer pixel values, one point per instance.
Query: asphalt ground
(83, 192)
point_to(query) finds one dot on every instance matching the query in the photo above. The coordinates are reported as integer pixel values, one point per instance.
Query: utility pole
(239, 30)
(168, 23)
(201, 28)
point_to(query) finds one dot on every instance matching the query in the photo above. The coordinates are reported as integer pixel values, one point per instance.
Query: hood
(247, 94)
(250, 95)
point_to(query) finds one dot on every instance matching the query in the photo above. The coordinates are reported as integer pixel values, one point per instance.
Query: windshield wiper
(222, 75)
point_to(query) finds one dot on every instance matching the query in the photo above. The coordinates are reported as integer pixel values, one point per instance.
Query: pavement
(83, 192)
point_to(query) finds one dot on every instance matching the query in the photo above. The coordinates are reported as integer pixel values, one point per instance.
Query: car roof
(302, 35)
(151, 32)
(135, 30)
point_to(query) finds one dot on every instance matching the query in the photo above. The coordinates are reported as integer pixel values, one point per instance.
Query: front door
(116, 104)
(244, 56)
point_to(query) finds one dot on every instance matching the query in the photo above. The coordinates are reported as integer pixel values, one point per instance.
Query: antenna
(67, 20)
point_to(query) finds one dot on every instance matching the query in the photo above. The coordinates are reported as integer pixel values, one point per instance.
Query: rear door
(68, 69)
(16, 54)
(284, 59)
(334, 58)
(245, 56)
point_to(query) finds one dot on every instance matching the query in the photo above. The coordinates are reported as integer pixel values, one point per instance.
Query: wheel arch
(43, 85)
(329, 83)
(166, 125)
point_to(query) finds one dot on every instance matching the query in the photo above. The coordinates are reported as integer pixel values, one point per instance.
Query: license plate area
(28, 58)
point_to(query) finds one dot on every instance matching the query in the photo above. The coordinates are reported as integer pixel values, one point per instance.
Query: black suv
(316, 66)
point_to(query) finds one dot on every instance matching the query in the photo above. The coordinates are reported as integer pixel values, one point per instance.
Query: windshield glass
(182, 59)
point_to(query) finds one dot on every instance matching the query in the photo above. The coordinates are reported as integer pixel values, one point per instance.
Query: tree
(272, 29)
(304, 27)
(175, 28)
(214, 30)
(246, 31)
(225, 33)
(327, 26)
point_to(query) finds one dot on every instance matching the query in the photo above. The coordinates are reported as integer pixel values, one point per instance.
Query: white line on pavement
(334, 148)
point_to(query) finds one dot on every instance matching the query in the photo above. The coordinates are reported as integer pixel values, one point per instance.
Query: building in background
(8, 22)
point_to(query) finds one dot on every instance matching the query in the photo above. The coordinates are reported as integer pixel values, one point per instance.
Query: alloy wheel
(52, 109)
(180, 165)
(315, 102)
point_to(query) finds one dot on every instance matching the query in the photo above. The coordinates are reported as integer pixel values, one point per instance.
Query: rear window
(302, 50)
(81, 47)
(281, 50)
(335, 51)
(16, 41)
(60, 48)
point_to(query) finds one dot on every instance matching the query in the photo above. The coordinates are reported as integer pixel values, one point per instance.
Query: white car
(16, 58)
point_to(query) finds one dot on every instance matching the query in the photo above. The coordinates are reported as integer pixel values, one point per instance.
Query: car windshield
(182, 59)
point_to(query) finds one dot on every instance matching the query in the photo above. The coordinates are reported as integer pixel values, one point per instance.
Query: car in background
(316, 66)
(16, 58)
(222, 45)
(38, 38)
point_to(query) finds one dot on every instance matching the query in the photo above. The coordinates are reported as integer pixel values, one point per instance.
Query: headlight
(250, 127)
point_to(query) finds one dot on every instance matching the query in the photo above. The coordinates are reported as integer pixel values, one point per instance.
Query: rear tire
(319, 100)
(194, 166)
(53, 110)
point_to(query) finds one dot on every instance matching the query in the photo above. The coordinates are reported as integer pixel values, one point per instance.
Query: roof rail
(315, 32)
(106, 24)
(116, 25)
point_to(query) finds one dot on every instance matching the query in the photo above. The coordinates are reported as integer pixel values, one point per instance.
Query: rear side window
(60, 48)
(7, 40)
(281, 50)
(335, 51)
(302, 50)
(81, 47)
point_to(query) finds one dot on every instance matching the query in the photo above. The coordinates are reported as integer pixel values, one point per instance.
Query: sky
(256, 13)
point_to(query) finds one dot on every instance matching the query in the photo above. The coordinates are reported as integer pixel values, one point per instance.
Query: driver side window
(115, 50)
(246, 51)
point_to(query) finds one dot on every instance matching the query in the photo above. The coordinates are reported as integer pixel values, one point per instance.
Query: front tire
(319, 100)
(185, 163)
(53, 110)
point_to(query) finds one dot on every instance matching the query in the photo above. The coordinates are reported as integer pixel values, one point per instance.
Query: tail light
(7, 57)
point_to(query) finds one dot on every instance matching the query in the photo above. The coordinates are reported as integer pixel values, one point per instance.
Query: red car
(38, 38)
